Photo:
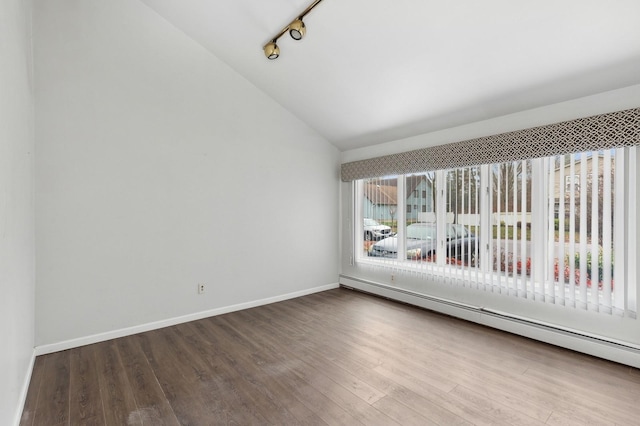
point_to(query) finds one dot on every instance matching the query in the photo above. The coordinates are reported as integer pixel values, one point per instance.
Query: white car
(374, 231)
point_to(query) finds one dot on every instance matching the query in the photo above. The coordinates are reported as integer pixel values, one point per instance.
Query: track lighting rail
(296, 29)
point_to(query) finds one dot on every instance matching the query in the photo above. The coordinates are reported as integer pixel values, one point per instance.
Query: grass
(506, 232)
(499, 231)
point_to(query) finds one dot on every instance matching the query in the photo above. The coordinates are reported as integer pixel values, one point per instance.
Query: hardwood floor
(337, 357)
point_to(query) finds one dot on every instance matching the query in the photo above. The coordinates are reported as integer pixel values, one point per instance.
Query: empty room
(319, 212)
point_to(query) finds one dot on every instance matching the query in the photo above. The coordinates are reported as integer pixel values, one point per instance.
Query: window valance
(598, 132)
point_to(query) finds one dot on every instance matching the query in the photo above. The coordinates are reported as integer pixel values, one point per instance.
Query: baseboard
(101, 337)
(599, 346)
(25, 388)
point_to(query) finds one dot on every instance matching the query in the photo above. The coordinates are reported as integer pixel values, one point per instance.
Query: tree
(462, 190)
(504, 185)
(576, 195)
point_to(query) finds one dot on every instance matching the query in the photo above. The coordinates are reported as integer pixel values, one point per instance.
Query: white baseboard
(25, 388)
(599, 346)
(101, 337)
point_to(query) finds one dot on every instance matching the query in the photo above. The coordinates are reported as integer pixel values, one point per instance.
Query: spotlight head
(297, 29)
(271, 50)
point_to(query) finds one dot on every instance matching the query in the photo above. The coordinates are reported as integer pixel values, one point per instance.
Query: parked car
(422, 241)
(374, 231)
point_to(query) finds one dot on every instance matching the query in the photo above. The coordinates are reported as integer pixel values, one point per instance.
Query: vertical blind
(480, 227)
(545, 228)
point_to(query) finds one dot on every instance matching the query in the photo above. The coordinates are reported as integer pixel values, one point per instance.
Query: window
(522, 228)
(572, 185)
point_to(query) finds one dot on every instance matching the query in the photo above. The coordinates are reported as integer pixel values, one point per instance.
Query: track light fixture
(271, 50)
(296, 30)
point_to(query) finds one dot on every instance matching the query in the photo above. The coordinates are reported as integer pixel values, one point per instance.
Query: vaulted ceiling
(371, 71)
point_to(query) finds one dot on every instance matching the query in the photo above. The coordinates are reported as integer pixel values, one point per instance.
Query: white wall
(158, 168)
(615, 328)
(600, 103)
(16, 207)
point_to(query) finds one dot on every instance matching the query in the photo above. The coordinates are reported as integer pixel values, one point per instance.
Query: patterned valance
(605, 131)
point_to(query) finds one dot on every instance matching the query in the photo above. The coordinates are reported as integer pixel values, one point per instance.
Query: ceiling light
(296, 30)
(271, 50)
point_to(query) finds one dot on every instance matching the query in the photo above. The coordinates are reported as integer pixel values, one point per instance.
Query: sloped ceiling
(372, 71)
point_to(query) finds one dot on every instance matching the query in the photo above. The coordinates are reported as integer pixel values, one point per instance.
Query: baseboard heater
(611, 349)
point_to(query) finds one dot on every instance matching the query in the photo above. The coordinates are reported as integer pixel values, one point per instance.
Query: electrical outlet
(393, 278)
(200, 288)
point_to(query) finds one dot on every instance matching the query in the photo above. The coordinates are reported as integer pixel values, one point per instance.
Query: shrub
(589, 264)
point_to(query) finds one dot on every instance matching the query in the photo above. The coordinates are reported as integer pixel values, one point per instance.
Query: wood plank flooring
(337, 357)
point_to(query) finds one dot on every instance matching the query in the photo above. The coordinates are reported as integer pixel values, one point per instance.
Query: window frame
(541, 207)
